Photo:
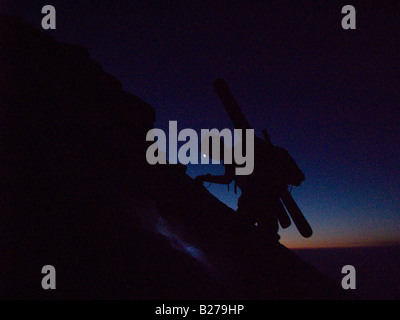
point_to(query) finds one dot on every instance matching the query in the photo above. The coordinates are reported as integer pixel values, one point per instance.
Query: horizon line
(347, 246)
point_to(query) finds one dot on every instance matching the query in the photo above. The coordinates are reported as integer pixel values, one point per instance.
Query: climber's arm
(220, 179)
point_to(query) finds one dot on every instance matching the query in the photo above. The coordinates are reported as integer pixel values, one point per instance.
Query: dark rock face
(78, 194)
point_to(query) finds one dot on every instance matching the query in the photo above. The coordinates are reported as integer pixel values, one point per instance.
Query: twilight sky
(330, 96)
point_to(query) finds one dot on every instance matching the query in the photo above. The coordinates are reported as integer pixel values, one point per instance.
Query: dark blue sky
(329, 96)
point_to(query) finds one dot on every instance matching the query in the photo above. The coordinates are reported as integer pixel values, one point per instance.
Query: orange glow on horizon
(298, 245)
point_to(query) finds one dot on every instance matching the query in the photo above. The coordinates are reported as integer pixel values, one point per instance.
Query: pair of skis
(240, 122)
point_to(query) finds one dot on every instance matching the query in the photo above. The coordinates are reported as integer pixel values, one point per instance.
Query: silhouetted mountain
(78, 194)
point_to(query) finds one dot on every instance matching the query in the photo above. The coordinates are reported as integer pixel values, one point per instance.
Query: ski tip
(307, 233)
(219, 82)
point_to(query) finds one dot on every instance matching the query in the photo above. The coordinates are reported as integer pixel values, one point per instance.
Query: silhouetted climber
(259, 205)
(262, 191)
